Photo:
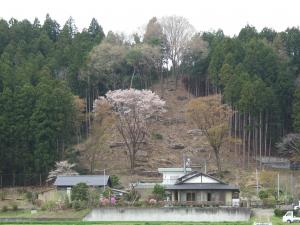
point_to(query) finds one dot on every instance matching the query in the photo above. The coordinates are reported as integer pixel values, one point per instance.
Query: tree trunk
(249, 138)
(217, 155)
(260, 138)
(244, 139)
(266, 133)
(235, 126)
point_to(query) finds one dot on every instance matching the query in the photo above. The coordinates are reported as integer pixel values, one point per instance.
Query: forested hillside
(39, 79)
(50, 76)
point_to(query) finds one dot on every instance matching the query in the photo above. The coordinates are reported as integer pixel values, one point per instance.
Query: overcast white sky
(128, 15)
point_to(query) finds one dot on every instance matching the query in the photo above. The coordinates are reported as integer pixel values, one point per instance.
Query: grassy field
(275, 221)
(131, 223)
(75, 217)
(62, 214)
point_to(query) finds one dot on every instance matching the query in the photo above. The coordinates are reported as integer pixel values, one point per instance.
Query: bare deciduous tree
(178, 31)
(290, 146)
(212, 117)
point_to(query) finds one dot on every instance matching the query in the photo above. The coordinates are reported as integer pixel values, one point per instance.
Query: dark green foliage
(132, 196)
(158, 191)
(157, 136)
(79, 205)
(79, 192)
(263, 194)
(115, 181)
(279, 212)
(39, 74)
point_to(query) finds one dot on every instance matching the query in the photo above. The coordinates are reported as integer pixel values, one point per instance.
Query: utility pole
(278, 187)
(256, 176)
(104, 180)
(184, 167)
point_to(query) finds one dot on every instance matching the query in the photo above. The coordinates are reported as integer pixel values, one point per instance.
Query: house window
(208, 197)
(191, 196)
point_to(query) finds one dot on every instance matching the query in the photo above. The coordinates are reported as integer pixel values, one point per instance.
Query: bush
(132, 196)
(93, 198)
(157, 136)
(67, 203)
(31, 196)
(79, 192)
(79, 205)
(14, 206)
(263, 194)
(2, 195)
(49, 205)
(4, 208)
(159, 192)
(279, 212)
(115, 181)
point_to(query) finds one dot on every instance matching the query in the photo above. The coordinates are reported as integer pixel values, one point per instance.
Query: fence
(28, 179)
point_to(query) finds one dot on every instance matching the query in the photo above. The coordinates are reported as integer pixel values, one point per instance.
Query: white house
(202, 188)
(170, 175)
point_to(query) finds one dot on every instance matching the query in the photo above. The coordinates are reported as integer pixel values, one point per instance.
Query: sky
(131, 16)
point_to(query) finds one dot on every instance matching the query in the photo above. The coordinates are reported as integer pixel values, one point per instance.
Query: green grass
(130, 223)
(61, 214)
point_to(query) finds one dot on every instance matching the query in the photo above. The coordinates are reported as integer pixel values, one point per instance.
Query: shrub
(157, 136)
(79, 205)
(115, 181)
(93, 198)
(263, 194)
(2, 195)
(79, 192)
(107, 193)
(132, 196)
(14, 206)
(279, 212)
(49, 205)
(67, 203)
(4, 208)
(159, 192)
(31, 196)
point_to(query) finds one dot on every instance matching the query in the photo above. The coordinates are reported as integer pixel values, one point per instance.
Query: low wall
(169, 214)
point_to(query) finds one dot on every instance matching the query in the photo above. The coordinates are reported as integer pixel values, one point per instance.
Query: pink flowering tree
(134, 109)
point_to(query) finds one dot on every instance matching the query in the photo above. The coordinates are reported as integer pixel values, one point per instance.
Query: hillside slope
(170, 138)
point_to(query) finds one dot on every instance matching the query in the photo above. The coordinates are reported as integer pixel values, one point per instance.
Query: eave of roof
(206, 186)
(90, 180)
(174, 170)
(186, 177)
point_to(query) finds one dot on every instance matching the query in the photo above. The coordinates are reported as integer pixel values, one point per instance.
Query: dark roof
(205, 186)
(90, 180)
(186, 177)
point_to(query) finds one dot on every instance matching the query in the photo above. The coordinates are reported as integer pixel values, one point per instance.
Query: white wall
(201, 179)
(171, 177)
(169, 214)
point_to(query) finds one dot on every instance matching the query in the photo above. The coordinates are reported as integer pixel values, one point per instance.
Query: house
(199, 188)
(65, 183)
(170, 175)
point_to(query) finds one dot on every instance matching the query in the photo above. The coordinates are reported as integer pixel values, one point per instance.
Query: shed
(90, 180)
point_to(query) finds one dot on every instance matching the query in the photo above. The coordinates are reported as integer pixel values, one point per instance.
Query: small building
(96, 181)
(170, 175)
(199, 188)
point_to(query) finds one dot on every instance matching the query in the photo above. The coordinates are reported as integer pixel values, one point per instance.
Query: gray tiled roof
(90, 180)
(206, 186)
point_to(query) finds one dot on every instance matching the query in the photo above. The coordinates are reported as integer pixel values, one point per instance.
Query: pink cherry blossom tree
(134, 108)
